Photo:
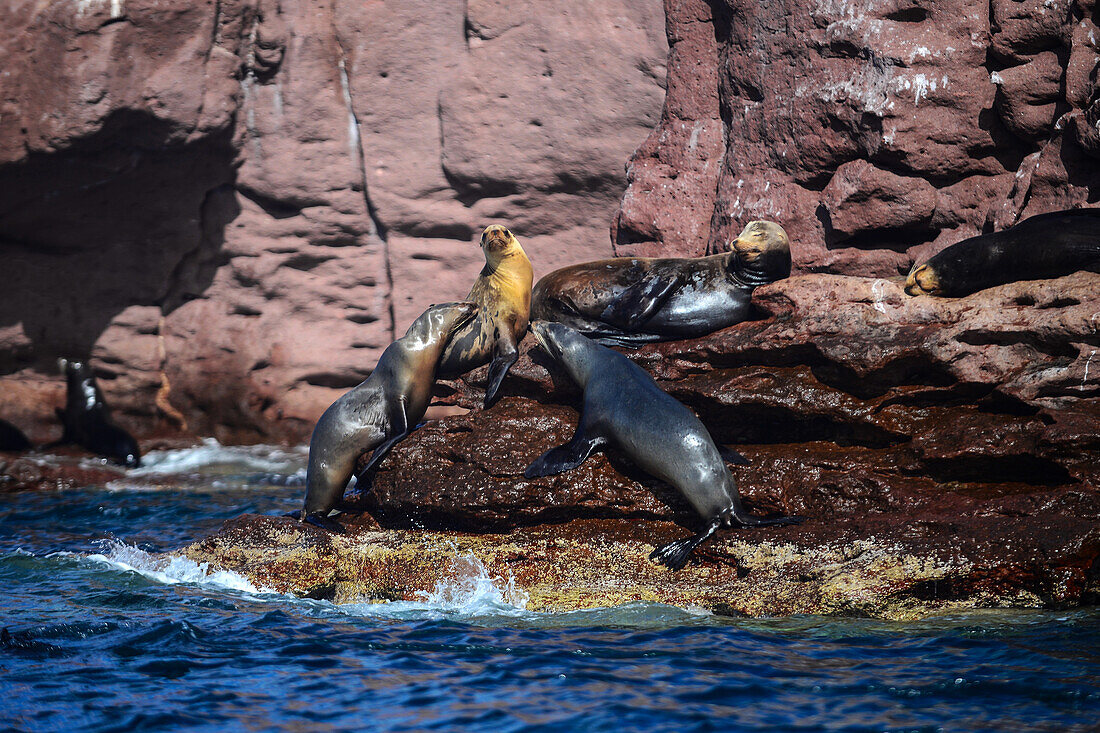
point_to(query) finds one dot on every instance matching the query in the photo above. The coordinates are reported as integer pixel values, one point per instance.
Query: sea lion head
(761, 253)
(497, 242)
(439, 322)
(923, 280)
(565, 346)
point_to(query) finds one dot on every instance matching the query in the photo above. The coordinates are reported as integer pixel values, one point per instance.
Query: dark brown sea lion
(631, 301)
(378, 413)
(625, 408)
(503, 290)
(1038, 248)
(87, 419)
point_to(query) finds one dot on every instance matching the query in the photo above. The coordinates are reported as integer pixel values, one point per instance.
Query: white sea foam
(172, 570)
(465, 591)
(213, 457)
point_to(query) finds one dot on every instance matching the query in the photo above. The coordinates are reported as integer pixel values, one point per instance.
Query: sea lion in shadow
(503, 292)
(378, 413)
(1038, 248)
(87, 419)
(12, 438)
(630, 301)
(625, 408)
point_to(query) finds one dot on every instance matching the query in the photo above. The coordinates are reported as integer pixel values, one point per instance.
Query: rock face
(234, 205)
(944, 451)
(875, 131)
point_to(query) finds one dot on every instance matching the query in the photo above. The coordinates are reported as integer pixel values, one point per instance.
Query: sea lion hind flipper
(563, 457)
(675, 554)
(505, 354)
(636, 304)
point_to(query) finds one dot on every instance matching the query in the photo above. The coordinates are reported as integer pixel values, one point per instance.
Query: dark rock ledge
(945, 451)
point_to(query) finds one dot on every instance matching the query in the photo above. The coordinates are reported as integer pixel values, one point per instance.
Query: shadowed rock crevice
(133, 203)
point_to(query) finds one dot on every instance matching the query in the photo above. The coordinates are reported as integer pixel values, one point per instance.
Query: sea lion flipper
(322, 521)
(564, 457)
(400, 425)
(505, 354)
(637, 304)
(675, 554)
(729, 455)
(749, 520)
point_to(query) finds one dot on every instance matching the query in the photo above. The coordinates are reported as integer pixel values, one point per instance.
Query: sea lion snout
(758, 237)
(922, 280)
(496, 239)
(550, 336)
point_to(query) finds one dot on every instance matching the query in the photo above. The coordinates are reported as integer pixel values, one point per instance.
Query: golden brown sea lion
(503, 290)
(631, 301)
(1040, 247)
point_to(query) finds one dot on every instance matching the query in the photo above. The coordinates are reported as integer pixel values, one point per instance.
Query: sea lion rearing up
(87, 419)
(379, 412)
(631, 301)
(503, 290)
(1040, 247)
(624, 407)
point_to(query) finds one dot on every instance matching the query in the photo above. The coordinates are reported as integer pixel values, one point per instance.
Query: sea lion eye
(507, 233)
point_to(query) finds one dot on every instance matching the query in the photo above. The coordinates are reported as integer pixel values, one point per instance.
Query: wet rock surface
(946, 454)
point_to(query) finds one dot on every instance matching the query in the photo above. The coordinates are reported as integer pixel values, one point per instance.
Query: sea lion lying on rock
(624, 407)
(1040, 247)
(629, 301)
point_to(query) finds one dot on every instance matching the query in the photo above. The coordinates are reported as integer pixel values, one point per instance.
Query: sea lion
(629, 301)
(379, 412)
(624, 407)
(12, 438)
(1040, 247)
(503, 290)
(87, 419)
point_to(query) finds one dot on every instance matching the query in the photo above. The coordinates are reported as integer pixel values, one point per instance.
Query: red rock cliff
(876, 131)
(238, 203)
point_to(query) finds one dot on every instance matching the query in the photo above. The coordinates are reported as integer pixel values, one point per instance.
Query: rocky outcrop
(944, 451)
(234, 205)
(876, 131)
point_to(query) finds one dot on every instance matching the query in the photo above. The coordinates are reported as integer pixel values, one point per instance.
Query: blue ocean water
(103, 635)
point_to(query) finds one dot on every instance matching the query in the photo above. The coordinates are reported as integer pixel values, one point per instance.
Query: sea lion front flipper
(365, 479)
(505, 354)
(564, 457)
(675, 554)
(729, 455)
(749, 520)
(637, 304)
(322, 521)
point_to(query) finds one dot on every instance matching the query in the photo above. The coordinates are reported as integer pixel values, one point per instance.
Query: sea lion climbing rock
(631, 301)
(1040, 247)
(624, 407)
(503, 292)
(378, 413)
